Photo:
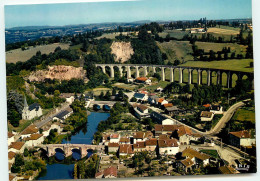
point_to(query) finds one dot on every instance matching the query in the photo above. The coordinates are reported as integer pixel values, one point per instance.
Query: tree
(108, 95)
(133, 99)
(26, 152)
(158, 76)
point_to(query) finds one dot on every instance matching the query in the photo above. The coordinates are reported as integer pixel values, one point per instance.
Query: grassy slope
(180, 50)
(244, 115)
(16, 55)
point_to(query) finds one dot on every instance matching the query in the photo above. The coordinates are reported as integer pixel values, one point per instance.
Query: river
(63, 171)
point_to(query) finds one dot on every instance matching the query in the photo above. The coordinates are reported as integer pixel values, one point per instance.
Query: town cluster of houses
(28, 138)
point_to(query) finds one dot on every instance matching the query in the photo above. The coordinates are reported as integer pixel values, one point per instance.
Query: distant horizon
(145, 21)
(124, 11)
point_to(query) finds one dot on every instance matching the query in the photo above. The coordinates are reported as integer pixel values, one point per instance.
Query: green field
(245, 115)
(180, 50)
(212, 153)
(234, 47)
(235, 65)
(173, 33)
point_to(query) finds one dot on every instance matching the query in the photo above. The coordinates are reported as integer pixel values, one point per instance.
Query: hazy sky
(98, 12)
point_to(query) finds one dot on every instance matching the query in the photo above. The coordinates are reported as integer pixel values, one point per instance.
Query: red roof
(139, 145)
(151, 142)
(114, 136)
(168, 105)
(242, 134)
(16, 145)
(206, 105)
(126, 148)
(168, 143)
(141, 79)
(110, 171)
(10, 134)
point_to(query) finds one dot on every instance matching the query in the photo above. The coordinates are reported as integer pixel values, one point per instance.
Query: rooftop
(30, 130)
(126, 148)
(16, 145)
(187, 162)
(168, 143)
(191, 153)
(10, 134)
(139, 145)
(151, 142)
(34, 137)
(113, 145)
(35, 106)
(243, 134)
(143, 79)
(139, 95)
(206, 114)
(11, 155)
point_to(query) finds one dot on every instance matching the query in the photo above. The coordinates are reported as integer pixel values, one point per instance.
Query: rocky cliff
(59, 72)
(122, 51)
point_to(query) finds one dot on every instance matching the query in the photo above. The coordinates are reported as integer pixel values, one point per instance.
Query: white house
(46, 130)
(168, 146)
(168, 122)
(17, 147)
(161, 101)
(32, 111)
(152, 99)
(141, 111)
(206, 116)
(143, 80)
(159, 89)
(114, 138)
(242, 138)
(113, 147)
(34, 140)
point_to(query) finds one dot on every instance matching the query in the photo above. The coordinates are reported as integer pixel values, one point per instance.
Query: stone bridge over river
(181, 69)
(68, 148)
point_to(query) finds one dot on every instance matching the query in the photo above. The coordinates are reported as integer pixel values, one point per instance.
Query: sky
(124, 11)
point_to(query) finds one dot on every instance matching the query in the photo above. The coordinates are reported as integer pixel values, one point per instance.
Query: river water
(63, 171)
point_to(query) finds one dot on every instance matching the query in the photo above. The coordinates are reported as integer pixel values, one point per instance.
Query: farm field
(245, 115)
(180, 50)
(16, 55)
(207, 46)
(173, 33)
(224, 31)
(235, 65)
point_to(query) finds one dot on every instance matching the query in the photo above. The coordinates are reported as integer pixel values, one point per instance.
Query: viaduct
(190, 71)
(68, 148)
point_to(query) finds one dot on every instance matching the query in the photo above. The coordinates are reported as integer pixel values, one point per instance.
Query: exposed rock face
(59, 72)
(122, 51)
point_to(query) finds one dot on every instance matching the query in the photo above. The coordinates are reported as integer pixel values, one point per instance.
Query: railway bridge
(190, 71)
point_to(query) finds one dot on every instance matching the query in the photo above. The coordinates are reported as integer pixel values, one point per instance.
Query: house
(168, 122)
(10, 138)
(161, 101)
(151, 144)
(125, 150)
(34, 140)
(27, 132)
(227, 170)
(143, 80)
(206, 116)
(130, 80)
(243, 138)
(124, 140)
(139, 146)
(110, 172)
(164, 129)
(32, 111)
(173, 110)
(11, 157)
(141, 111)
(216, 109)
(152, 99)
(142, 136)
(185, 135)
(168, 146)
(113, 147)
(114, 138)
(196, 156)
(141, 97)
(185, 164)
(63, 115)
(68, 96)
(17, 147)
(167, 105)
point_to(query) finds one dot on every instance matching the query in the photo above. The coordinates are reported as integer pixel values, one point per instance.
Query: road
(49, 118)
(225, 118)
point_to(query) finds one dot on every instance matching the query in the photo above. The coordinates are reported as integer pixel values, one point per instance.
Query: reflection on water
(84, 136)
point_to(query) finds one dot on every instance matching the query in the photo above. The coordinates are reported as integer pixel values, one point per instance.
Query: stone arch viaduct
(68, 148)
(181, 69)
